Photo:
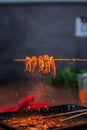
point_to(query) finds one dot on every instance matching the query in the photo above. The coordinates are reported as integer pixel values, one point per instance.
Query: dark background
(38, 29)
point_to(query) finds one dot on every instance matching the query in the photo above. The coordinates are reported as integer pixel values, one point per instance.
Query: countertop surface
(11, 94)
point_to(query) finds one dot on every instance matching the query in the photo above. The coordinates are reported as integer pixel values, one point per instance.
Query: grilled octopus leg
(41, 64)
(28, 62)
(53, 66)
(47, 64)
(34, 63)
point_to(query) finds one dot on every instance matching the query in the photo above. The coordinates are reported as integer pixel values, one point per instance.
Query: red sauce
(83, 95)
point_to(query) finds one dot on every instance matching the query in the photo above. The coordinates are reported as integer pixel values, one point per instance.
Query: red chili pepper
(37, 105)
(6, 110)
(23, 103)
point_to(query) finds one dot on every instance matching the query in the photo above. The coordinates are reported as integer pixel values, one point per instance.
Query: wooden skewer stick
(66, 113)
(58, 59)
(77, 115)
(19, 60)
(70, 59)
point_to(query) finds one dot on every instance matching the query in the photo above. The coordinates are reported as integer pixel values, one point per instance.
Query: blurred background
(28, 28)
(41, 28)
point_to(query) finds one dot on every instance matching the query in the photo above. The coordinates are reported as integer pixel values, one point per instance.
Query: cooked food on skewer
(47, 64)
(41, 122)
(53, 66)
(34, 64)
(41, 64)
(28, 62)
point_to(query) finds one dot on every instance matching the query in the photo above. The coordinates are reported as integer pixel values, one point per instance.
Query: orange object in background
(83, 95)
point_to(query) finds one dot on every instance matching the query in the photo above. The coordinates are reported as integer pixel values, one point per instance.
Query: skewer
(58, 59)
(45, 65)
(66, 113)
(77, 115)
(19, 60)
